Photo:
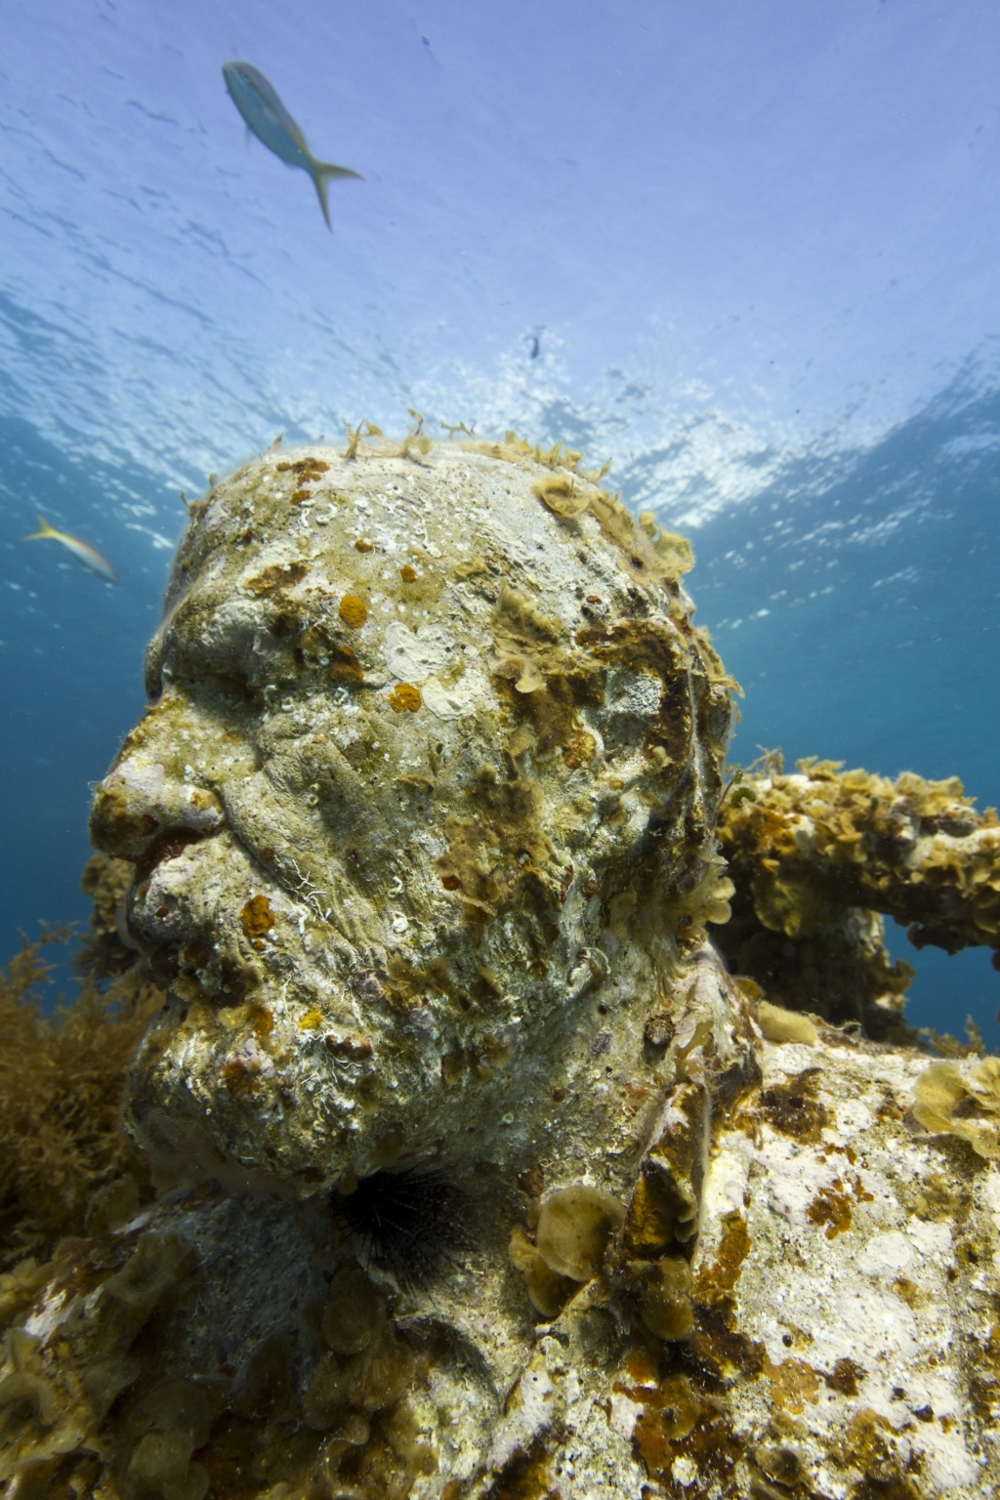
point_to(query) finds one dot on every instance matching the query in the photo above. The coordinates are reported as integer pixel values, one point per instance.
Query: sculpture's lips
(157, 926)
(151, 930)
(168, 844)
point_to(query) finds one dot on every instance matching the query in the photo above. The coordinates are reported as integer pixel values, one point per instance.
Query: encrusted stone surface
(844, 1292)
(871, 1276)
(427, 790)
(820, 855)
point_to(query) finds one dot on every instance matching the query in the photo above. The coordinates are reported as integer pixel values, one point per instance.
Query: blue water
(746, 252)
(858, 604)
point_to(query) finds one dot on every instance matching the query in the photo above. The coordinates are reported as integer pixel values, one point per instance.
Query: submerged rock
(481, 1177)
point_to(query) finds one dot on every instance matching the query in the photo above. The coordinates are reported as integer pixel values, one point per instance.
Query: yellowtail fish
(93, 560)
(271, 123)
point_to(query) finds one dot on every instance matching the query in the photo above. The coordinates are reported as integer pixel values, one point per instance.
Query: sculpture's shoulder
(852, 1262)
(845, 1295)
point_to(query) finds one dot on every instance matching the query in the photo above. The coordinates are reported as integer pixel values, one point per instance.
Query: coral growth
(574, 1227)
(819, 856)
(962, 1101)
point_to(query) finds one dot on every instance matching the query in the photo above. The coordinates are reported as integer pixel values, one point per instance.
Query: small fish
(271, 123)
(93, 561)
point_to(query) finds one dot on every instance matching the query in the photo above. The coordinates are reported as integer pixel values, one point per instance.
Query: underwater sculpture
(481, 1174)
(414, 733)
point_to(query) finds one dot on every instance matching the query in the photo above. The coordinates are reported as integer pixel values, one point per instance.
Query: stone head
(425, 790)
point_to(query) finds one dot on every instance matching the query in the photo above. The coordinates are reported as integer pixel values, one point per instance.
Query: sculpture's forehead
(370, 522)
(485, 590)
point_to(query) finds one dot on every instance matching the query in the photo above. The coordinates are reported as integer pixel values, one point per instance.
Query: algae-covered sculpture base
(835, 1333)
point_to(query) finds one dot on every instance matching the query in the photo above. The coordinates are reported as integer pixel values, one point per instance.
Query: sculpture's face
(425, 757)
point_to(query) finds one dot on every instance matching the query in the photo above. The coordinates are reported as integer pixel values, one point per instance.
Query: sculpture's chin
(185, 1151)
(241, 1125)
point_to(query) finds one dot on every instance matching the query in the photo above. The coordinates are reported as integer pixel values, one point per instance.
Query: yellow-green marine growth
(415, 844)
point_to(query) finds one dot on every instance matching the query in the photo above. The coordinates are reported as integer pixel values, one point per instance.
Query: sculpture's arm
(812, 844)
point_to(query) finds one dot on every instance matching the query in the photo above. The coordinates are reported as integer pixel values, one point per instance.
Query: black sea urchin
(410, 1223)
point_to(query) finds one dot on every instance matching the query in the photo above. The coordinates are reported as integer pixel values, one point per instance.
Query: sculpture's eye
(209, 646)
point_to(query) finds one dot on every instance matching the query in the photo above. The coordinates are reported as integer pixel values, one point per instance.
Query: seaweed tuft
(62, 1072)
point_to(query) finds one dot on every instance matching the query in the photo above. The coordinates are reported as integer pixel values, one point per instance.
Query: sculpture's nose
(138, 802)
